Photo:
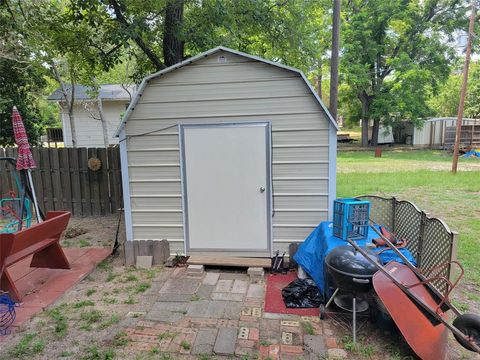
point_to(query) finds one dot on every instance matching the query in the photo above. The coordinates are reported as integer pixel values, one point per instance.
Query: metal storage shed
(227, 154)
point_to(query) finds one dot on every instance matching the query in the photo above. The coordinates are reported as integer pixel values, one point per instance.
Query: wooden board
(230, 261)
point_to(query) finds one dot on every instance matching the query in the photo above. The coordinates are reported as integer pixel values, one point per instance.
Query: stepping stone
(204, 291)
(240, 287)
(232, 310)
(337, 354)
(204, 341)
(144, 262)
(186, 286)
(227, 296)
(225, 343)
(224, 286)
(198, 308)
(173, 298)
(314, 346)
(210, 278)
(243, 333)
(287, 338)
(195, 270)
(164, 316)
(180, 307)
(255, 291)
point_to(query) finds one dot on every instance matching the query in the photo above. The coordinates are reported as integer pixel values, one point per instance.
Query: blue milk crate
(351, 218)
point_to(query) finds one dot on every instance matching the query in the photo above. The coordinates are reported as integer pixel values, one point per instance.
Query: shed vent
(222, 59)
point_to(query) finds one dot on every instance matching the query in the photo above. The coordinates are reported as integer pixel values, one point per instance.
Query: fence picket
(75, 181)
(63, 180)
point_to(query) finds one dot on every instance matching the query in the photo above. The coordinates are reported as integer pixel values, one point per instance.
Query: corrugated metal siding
(237, 91)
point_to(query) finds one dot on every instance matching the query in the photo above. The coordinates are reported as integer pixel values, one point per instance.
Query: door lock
(262, 189)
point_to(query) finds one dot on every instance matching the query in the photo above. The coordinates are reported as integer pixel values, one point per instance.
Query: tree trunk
(334, 59)
(375, 130)
(364, 132)
(73, 130)
(364, 100)
(104, 123)
(69, 98)
(173, 44)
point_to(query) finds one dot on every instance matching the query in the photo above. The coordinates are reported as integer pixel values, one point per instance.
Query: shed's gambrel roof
(191, 60)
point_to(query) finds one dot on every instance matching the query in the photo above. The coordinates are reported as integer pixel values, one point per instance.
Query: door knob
(262, 189)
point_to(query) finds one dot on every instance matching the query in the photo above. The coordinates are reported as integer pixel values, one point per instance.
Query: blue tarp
(311, 254)
(472, 153)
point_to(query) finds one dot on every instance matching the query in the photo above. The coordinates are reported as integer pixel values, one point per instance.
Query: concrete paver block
(289, 323)
(314, 346)
(210, 278)
(240, 287)
(167, 297)
(256, 291)
(187, 286)
(204, 341)
(243, 333)
(287, 338)
(224, 286)
(337, 354)
(144, 262)
(225, 342)
(195, 270)
(164, 316)
(256, 272)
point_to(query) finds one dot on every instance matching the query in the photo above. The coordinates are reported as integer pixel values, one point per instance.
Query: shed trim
(126, 187)
(191, 60)
(332, 171)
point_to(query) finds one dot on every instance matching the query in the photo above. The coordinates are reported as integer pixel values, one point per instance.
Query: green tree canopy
(445, 103)
(395, 56)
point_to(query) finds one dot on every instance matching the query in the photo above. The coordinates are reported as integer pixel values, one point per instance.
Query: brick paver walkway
(220, 315)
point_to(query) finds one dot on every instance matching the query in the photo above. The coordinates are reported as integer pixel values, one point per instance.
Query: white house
(227, 154)
(114, 98)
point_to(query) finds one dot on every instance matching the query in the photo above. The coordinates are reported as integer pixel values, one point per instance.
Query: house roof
(188, 61)
(113, 92)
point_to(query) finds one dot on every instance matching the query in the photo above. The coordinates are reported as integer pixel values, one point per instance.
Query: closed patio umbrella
(25, 160)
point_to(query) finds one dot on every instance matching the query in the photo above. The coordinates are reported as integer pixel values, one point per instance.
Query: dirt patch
(93, 231)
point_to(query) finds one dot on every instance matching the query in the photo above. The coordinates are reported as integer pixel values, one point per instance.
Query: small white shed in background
(114, 99)
(227, 154)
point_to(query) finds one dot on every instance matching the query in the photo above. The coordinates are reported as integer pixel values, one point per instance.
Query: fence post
(453, 255)
(394, 214)
(421, 237)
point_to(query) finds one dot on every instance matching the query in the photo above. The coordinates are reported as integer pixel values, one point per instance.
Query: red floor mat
(273, 297)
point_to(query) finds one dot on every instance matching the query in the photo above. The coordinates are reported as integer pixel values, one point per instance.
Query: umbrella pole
(34, 196)
(22, 200)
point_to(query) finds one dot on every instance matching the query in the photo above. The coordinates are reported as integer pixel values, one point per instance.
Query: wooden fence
(64, 181)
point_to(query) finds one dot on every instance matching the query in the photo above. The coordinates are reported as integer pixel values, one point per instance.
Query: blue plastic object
(351, 218)
(312, 252)
(7, 313)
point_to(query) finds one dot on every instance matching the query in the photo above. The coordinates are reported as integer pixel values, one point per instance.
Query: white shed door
(226, 172)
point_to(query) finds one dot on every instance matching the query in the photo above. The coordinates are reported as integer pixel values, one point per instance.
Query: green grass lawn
(423, 178)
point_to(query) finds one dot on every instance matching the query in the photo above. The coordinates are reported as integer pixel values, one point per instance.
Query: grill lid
(346, 260)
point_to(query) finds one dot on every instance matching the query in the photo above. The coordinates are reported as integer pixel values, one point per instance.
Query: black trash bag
(302, 293)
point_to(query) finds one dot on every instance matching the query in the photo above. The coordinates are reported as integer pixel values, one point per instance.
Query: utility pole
(334, 59)
(463, 89)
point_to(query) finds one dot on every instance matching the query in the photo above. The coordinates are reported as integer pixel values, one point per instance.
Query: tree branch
(155, 60)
